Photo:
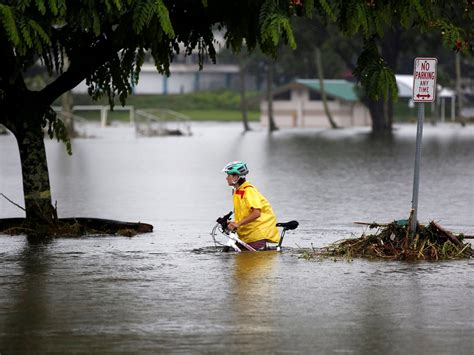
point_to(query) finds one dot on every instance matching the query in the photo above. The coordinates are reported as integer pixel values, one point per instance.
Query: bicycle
(233, 241)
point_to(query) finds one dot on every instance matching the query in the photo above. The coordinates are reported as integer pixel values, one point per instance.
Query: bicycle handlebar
(223, 220)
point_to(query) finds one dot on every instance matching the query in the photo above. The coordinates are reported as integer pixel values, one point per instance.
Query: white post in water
(424, 90)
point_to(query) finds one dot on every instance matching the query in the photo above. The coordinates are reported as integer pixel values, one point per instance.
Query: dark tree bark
(382, 110)
(30, 140)
(378, 112)
(36, 184)
(459, 96)
(67, 114)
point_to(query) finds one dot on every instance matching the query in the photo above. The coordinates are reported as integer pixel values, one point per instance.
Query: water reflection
(253, 297)
(382, 318)
(29, 308)
(252, 275)
(152, 294)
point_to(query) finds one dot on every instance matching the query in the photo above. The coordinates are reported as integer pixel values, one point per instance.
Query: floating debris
(393, 241)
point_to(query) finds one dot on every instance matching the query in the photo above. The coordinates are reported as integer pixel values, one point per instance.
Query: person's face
(232, 179)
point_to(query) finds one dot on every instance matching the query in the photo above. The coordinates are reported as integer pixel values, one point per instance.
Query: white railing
(148, 122)
(78, 122)
(104, 111)
(161, 122)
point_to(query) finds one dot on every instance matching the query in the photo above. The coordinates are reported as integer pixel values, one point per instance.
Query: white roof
(405, 87)
(194, 68)
(445, 92)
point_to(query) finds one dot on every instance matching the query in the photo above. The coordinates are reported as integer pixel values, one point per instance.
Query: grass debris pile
(394, 241)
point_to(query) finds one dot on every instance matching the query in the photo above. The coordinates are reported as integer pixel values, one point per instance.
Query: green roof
(338, 88)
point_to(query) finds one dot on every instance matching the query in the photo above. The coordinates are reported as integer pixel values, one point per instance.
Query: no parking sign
(424, 79)
(424, 90)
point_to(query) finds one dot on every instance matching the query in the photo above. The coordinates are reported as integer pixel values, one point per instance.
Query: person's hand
(232, 226)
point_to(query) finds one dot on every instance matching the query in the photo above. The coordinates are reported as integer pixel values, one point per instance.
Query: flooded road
(169, 291)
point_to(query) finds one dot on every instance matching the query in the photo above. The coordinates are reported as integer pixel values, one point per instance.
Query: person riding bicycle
(254, 220)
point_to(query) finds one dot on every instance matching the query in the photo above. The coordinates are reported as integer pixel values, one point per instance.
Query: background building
(299, 104)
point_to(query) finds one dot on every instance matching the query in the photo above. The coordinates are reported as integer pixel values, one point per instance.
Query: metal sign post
(424, 90)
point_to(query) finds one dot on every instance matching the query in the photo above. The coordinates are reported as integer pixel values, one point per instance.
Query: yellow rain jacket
(246, 197)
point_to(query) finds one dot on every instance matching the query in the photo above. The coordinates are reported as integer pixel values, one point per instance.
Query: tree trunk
(319, 66)
(459, 98)
(243, 100)
(381, 111)
(66, 106)
(34, 167)
(271, 122)
(378, 112)
(66, 113)
(23, 118)
(389, 110)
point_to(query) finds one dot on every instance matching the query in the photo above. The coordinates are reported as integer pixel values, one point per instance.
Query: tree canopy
(104, 42)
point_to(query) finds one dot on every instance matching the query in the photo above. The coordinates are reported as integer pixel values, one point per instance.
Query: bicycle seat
(288, 225)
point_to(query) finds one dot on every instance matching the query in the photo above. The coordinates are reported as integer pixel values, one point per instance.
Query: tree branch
(10, 70)
(82, 65)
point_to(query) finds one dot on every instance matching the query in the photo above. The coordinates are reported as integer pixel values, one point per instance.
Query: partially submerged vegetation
(393, 241)
(73, 227)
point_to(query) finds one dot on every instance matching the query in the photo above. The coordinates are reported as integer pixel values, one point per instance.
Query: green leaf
(41, 6)
(289, 33)
(326, 7)
(40, 31)
(96, 23)
(8, 22)
(56, 128)
(375, 75)
(274, 23)
(144, 12)
(25, 32)
(420, 9)
(164, 18)
(381, 19)
(53, 7)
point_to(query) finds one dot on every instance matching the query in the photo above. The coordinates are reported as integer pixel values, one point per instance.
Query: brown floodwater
(170, 291)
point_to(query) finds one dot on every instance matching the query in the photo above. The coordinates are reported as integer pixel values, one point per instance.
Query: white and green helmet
(236, 168)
